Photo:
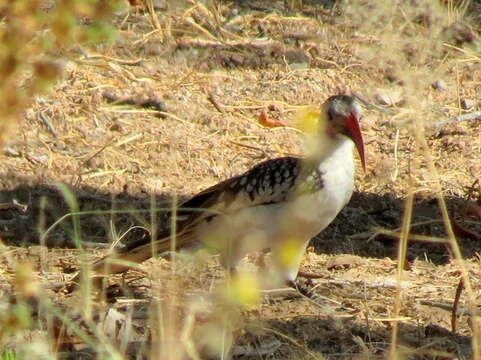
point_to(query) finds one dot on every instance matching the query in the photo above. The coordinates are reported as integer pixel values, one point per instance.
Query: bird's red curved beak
(356, 136)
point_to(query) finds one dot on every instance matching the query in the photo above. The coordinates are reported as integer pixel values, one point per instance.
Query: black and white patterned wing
(272, 181)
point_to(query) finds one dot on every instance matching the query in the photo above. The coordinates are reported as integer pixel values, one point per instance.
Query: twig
(13, 205)
(459, 290)
(151, 103)
(474, 188)
(277, 46)
(98, 245)
(267, 121)
(137, 62)
(31, 159)
(476, 115)
(307, 275)
(395, 235)
(368, 103)
(153, 17)
(448, 307)
(48, 124)
(264, 152)
(302, 36)
(396, 161)
(211, 97)
(110, 142)
(381, 284)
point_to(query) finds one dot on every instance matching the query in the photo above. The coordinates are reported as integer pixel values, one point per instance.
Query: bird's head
(338, 116)
(341, 116)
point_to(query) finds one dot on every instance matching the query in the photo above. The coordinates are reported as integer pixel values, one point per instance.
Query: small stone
(467, 104)
(94, 163)
(204, 67)
(116, 126)
(8, 151)
(237, 59)
(250, 77)
(389, 97)
(215, 171)
(161, 5)
(153, 49)
(439, 85)
(393, 77)
(275, 107)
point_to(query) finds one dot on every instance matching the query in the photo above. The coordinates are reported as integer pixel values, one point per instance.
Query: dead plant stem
(406, 225)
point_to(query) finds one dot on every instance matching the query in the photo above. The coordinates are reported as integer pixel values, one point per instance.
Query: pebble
(250, 77)
(153, 49)
(389, 97)
(467, 104)
(439, 85)
(161, 5)
(237, 59)
(8, 151)
(275, 107)
(116, 126)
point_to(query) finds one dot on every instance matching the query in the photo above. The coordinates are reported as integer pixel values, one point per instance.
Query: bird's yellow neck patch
(310, 120)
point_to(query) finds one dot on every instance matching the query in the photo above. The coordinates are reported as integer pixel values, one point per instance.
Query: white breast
(338, 170)
(310, 214)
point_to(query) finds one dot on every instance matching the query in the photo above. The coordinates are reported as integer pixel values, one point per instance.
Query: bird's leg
(232, 272)
(304, 290)
(325, 303)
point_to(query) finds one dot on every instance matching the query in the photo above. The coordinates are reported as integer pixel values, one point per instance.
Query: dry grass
(217, 66)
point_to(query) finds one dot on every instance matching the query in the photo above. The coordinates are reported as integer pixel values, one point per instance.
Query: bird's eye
(331, 114)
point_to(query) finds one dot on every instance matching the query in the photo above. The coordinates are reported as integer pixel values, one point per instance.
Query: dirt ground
(212, 74)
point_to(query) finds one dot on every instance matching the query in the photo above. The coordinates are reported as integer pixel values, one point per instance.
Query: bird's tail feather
(119, 262)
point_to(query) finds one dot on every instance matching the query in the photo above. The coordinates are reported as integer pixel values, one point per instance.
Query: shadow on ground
(350, 233)
(339, 338)
(348, 338)
(29, 210)
(45, 204)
